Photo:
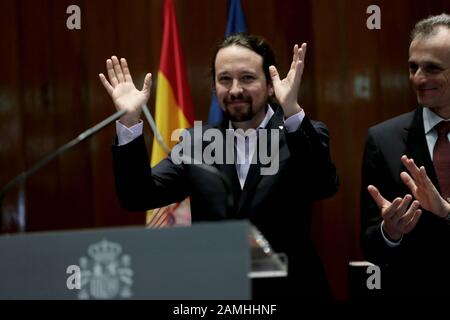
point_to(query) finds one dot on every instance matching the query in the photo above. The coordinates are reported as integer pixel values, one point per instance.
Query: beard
(241, 113)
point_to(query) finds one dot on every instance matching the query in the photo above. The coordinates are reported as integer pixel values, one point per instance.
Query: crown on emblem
(104, 251)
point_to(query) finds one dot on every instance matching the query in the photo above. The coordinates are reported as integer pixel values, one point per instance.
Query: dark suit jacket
(278, 205)
(419, 266)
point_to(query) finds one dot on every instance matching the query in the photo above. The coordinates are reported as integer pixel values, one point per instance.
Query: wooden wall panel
(11, 141)
(74, 179)
(100, 39)
(38, 112)
(331, 79)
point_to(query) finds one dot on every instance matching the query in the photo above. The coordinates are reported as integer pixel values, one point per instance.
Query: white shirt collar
(430, 120)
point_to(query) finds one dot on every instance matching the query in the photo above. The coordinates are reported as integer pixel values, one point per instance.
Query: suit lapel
(416, 146)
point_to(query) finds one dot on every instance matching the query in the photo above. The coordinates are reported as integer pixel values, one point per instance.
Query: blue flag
(236, 23)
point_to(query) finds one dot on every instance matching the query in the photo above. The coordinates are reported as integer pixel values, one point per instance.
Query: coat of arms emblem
(105, 274)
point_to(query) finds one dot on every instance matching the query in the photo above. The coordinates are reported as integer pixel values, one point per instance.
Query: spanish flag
(173, 110)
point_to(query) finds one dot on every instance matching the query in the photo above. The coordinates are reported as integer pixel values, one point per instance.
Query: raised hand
(423, 189)
(123, 92)
(286, 90)
(399, 216)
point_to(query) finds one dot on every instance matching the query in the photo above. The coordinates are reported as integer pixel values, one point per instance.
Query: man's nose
(236, 87)
(418, 77)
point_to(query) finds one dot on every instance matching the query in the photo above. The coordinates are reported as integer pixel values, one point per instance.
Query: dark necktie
(441, 157)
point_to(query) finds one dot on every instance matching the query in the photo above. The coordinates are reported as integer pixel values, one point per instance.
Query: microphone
(25, 174)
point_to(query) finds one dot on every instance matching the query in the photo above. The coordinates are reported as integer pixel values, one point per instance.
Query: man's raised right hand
(123, 91)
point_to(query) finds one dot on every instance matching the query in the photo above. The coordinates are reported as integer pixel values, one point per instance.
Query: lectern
(205, 261)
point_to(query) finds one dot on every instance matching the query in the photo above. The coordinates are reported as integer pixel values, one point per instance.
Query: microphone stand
(81, 137)
(155, 130)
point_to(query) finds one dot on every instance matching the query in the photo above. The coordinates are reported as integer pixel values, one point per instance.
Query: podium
(206, 261)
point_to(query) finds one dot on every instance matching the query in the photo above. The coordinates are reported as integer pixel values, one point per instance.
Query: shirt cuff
(390, 243)
(126, 135)
(293, 122)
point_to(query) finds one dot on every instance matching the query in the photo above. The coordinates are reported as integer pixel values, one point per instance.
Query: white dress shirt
(245, 151)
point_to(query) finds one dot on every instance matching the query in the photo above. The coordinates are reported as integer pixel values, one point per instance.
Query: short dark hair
(249, 41)
(428, 26)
